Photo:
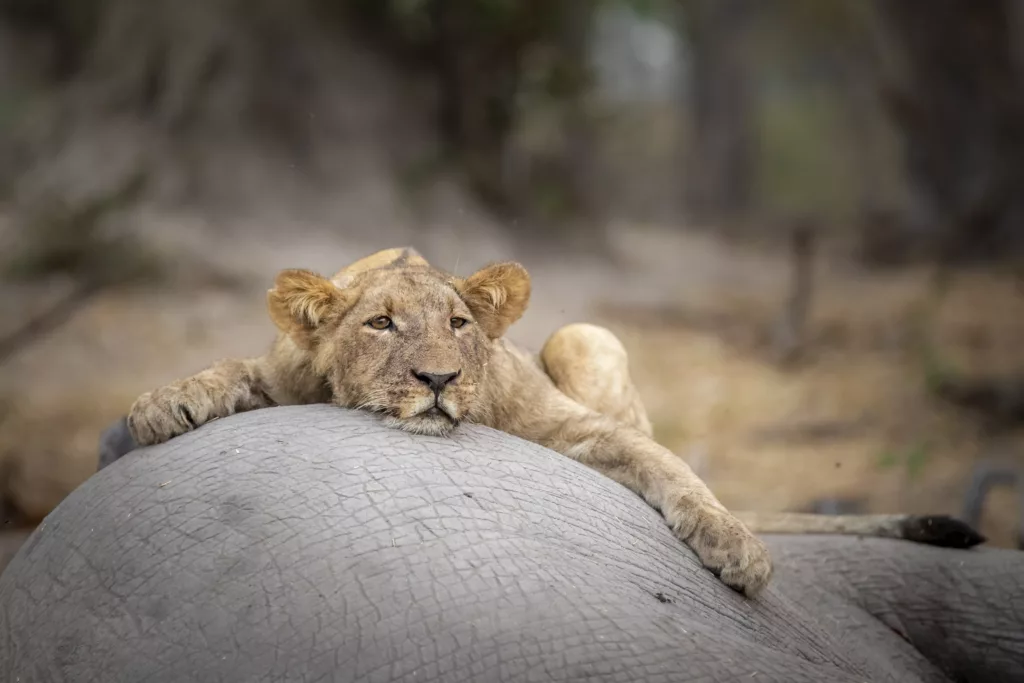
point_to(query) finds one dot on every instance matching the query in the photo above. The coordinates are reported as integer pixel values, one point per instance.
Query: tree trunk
(478, 74)
(581, 165)
(721, 144)
(480, 67)
(959, 104)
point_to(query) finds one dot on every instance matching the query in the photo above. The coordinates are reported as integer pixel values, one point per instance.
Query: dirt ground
(855, 421)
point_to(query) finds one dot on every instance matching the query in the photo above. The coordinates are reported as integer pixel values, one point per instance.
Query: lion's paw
(734, 554)
(161, 415)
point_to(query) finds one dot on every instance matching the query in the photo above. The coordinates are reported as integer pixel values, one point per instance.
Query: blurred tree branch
(75, 239)
(189, 64)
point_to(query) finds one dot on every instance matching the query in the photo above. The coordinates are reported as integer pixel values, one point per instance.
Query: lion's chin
(430, 423)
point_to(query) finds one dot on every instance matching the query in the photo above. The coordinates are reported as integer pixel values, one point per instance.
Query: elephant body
(314, 544)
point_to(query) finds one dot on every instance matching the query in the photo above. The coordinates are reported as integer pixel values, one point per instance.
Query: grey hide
(314, 544)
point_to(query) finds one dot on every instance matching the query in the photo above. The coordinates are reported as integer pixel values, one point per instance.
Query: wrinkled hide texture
(424, 350)
(314, 544)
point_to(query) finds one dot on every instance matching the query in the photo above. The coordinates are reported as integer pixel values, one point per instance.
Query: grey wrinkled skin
(314, 544)
(115, 441)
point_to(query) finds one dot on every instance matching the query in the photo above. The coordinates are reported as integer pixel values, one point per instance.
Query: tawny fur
(577, 398)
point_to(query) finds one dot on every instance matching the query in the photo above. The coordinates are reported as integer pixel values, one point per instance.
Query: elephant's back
(312, 543)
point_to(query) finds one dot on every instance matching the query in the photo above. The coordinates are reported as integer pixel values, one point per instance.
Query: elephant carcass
(314, 544)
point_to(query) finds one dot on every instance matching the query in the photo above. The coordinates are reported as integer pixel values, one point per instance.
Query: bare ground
(855, 421)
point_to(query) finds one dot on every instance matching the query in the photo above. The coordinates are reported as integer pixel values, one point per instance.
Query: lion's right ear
(301, 301)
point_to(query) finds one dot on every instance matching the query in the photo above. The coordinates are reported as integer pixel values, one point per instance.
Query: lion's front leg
(723, 544)
(227, 387)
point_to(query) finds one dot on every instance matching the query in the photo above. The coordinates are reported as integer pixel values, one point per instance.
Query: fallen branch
(48, 321)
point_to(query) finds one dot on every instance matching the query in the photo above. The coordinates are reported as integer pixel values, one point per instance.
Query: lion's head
(395, 336)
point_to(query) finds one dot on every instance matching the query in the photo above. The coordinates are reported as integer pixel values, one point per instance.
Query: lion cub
(423, 348)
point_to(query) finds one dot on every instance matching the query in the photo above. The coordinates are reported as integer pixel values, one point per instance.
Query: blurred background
(804, 218)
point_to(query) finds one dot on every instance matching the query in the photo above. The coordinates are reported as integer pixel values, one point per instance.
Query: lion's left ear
(497, 295)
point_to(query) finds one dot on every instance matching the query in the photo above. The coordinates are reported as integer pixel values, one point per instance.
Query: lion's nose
(436, 381)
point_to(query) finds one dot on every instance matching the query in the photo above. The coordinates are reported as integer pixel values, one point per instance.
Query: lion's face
(406, 341)
(409, 348)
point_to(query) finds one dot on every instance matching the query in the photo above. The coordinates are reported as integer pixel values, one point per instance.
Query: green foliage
(913, 460)
(416, 176)
(487, 57)
(799, 28)
(938, 372)
(496, 64)
(551, 199)
(72, 25)
(801, 169)
(11, 107)
(646, 8)
(416, 21)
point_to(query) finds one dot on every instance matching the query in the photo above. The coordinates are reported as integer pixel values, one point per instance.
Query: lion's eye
(381, 322)
(458, 322)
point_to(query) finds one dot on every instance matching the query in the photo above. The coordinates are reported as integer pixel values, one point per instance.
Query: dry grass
(49, 447)
(854, 421)
(714, 395)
